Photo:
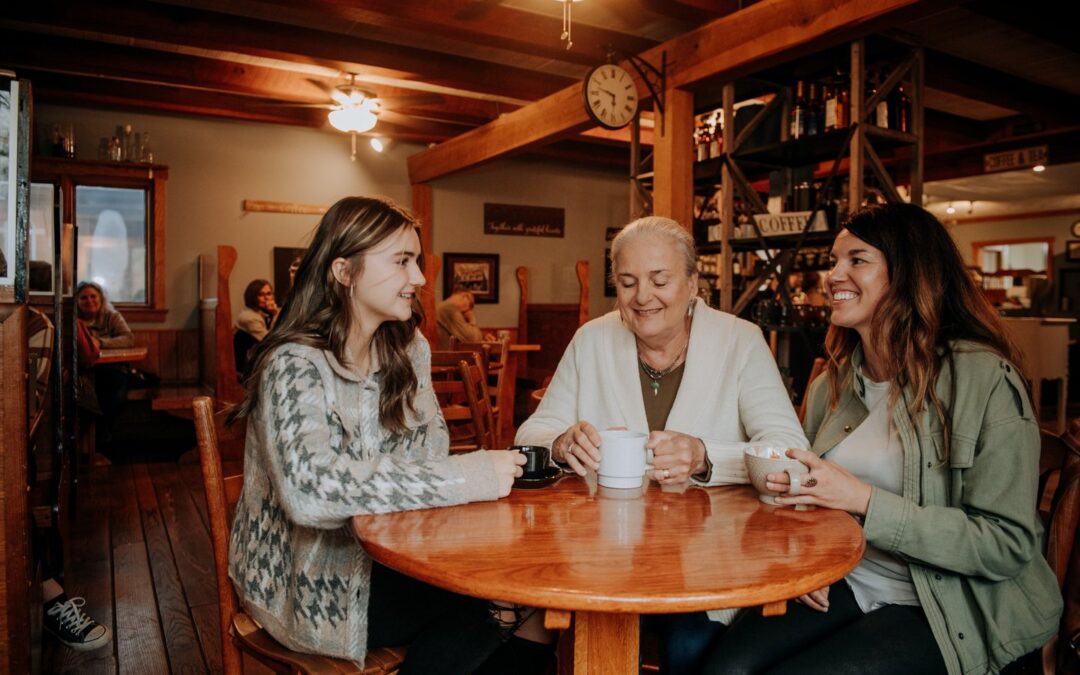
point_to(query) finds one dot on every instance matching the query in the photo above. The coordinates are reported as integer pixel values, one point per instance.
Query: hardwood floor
(140, 554)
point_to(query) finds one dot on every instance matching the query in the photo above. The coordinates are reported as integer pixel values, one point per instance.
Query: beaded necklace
(657, 375)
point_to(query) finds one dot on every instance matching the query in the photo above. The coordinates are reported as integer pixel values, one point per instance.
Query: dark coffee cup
(537, 460)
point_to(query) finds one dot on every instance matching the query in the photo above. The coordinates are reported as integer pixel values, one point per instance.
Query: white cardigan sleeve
(765, 413)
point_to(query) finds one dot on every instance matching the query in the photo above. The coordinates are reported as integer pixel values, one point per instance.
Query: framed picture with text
(475, 272)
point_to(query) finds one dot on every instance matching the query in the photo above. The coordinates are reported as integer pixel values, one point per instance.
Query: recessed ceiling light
(1039, 168)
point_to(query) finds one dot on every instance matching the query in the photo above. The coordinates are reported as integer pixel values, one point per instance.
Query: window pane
(41, 236)
(112, 240)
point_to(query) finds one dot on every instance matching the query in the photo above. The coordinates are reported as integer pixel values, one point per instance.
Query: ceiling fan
(356, 109)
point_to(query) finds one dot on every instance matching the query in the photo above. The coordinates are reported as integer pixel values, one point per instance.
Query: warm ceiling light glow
(950, 210)
(356, 120)
(377, 144)
(1039, 168)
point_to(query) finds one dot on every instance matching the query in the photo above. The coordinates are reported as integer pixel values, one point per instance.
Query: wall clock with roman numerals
(611, 97)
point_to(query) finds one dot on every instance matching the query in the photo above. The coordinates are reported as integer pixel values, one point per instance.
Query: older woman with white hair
(701, 382)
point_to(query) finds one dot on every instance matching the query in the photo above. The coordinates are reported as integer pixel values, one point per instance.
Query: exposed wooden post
(227, 388)
(423, 208)
(673, 160)
(727, 203)
(858, 116)
(583, 297)
(522, 274)
(429, 327)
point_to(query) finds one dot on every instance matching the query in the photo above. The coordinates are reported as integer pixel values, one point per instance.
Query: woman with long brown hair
(342, 420)
(922, 429)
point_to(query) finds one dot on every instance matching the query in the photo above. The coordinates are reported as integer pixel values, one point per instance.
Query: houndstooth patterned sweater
(316, 455)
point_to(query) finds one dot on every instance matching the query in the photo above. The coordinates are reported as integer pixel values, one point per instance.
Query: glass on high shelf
(880, 115)
(797, 127)
(146, 152)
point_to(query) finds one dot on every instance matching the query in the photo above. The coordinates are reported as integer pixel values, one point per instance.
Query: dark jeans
(894, 639)
(685, 640)
(111, 385)
(445, 632)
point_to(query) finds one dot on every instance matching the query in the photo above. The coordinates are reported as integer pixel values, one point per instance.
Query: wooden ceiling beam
(178, 29)
(694, 11)
(70, 89)
(489, 25)
(770, 29)
(977, 82)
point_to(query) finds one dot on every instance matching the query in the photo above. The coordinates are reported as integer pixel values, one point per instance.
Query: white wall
(593, 201)
(215, 164)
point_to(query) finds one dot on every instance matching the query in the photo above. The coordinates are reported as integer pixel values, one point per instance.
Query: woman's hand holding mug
(676, 456)
(827, 484)
(579, 447)
(508, 465)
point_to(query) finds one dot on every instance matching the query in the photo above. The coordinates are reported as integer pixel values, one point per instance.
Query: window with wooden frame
(118, 212)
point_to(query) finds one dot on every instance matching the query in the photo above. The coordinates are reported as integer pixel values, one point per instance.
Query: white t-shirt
(872, 452)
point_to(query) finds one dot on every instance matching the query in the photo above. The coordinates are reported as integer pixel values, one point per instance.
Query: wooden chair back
(1060, 479)
(479, 400)
(471, 425)
(239, 633)
(495, 356)
(41, 339)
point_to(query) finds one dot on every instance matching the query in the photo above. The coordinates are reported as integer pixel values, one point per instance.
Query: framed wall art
(475, 272)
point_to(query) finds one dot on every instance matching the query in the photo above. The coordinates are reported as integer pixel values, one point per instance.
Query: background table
(122, 355)
(610, 555)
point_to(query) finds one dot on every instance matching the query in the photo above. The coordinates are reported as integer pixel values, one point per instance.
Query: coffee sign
(780, 224)
(523, 221)
(1015, 159)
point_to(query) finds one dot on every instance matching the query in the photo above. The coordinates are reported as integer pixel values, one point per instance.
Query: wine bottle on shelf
(798, 112)
(828, 107)
(813, 119)
(880, 114)
(901, 110)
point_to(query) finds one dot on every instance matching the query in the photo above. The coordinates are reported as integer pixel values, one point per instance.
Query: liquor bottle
(880, 114)
(146, 152)
(901, 110)
(843, 107)
(813, 119)
(828, 98)
(798, 112)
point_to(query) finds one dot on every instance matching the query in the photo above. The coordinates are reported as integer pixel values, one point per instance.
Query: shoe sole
(84, 646)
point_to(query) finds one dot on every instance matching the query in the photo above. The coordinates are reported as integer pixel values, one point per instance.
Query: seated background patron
(254, 321)
(455, 318)
(108, 330)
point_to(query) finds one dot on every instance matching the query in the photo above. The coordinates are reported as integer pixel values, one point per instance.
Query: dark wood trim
(69, 174)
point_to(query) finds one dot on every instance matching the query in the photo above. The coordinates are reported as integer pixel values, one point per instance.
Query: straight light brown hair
(317, 311)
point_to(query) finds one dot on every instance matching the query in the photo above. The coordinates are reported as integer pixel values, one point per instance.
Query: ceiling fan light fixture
(355, 120)
(1039, 168)
(378, 144)
(567, 21)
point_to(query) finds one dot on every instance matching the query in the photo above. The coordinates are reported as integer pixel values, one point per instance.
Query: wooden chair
(495, 355)
(1059, 655)
(41, 336)
(465, 402)
(239, 632)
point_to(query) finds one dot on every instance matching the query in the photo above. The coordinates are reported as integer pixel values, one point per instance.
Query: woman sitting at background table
(253, 322)
(343, 421)
(922, 428)
(108, 330)
(702, 382)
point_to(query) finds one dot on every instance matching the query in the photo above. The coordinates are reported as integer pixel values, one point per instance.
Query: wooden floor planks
(141, 557)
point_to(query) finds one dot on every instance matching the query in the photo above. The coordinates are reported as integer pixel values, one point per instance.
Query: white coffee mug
(623, 460)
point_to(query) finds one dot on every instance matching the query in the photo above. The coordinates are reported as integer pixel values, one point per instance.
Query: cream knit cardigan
(731, 391)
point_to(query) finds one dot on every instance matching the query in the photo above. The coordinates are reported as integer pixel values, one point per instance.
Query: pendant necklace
(657, 375)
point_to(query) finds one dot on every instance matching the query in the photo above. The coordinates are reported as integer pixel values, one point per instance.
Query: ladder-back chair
(41, 336)
(495, 355)
(470, 424)
(239, 632)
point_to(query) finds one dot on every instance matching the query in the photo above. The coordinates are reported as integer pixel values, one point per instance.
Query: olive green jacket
(968, 527)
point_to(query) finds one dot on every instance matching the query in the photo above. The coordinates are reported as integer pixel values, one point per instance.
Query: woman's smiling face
(858, 281)
(653, 290)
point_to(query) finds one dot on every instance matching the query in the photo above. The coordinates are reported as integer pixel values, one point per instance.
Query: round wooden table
(610, 555)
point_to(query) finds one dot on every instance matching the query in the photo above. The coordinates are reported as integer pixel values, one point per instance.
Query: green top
(658, 404)
(966, 526)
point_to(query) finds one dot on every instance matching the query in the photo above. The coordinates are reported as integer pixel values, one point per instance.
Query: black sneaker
(65, 619)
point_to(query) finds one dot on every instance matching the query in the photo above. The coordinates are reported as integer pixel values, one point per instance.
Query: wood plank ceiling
(994, 69)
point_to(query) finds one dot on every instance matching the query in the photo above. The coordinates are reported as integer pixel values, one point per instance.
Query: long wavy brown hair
(931, 302)
(317, 311)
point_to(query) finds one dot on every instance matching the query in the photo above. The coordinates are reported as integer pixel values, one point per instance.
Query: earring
(690, 308)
